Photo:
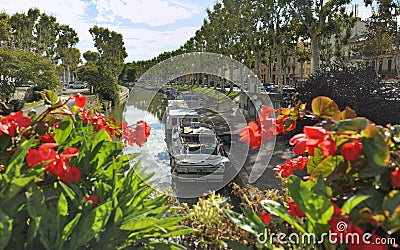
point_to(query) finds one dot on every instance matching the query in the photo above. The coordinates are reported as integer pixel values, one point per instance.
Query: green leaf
(253, 217)
(118, 214)
(277, 209)
(91, 225)
(35, 201)
(33, 229)
(177, 231)
(352, 202)
(5, 229)
(51, 97)
(324, 107)
(236, 245)
(62, 205)
(315, 160)
(327, 166)
(244, 222)
(320, 187)
(357, 125)
(18, 159)
(70, 226)
(374, 146)
(71, 194)
(317, 208)
(391, 201)
(63, 130)
(15, 186)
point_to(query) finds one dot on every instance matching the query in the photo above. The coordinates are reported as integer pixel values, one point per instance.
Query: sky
(149, 27)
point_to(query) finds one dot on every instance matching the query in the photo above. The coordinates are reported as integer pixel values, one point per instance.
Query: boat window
(174, 122)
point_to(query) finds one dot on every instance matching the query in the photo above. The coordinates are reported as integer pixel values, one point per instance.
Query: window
(389, 65)
(380, 65)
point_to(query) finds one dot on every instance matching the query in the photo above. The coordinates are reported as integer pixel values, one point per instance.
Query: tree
(128, 73)
(46, 31)
(22, 67)
(22, 29)
(317, 17)
(112, 52)
(91, 56)
(5, 29)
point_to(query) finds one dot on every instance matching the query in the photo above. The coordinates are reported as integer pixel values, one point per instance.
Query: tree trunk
(280, 69)
(315, 53)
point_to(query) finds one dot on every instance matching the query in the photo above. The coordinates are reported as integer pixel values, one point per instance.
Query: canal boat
(194, 148)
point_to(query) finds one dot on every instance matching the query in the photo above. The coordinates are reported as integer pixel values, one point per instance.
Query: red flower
(337, 211)
(328, 147)
(266, 218)
(71, 175)
(45, 152)
(70, 152)
(351, 150)
(10, 123)
(396, 177)
(313, 137)
(32, 157)
(287, 169)
(47, 138)
(142, 131)
(294, 210)
(80, 100)
(94, 198)
(251, 135)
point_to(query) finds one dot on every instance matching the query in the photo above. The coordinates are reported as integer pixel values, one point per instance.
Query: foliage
(64, 183)
(24, 67)
(353, 175)
(110, 62)
(356, 87)
(128, 73)
(214, 228)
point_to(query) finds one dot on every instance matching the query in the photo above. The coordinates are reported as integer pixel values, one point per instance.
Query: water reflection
(154, 154)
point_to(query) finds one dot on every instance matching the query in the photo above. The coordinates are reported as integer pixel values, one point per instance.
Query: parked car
(270, 87)
(77, 85)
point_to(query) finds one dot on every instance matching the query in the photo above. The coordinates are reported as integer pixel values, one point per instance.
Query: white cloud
(150, 12)
(146, 44)
(143, 43)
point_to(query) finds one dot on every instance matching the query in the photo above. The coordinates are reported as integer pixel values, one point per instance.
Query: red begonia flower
(291, 164)
(70, 152)
(294, 210)
(80, 100)
(328, 147)
(251, 135)
(352, 150)
(47, 138)
(71, 175)
(266, 218)
(94, 198)
(396, 177)
(32, 157)
(141, 132)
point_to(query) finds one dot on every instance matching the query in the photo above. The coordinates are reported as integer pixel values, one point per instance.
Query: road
(65, 94)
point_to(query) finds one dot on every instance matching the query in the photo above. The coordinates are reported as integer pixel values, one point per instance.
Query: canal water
(154, 157)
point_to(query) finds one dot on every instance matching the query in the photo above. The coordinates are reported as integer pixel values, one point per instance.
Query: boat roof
(183, 113)
(177, 104)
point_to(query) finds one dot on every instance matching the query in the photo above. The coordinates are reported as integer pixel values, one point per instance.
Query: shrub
(353, 86)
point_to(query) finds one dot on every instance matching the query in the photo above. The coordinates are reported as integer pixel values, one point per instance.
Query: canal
(154, 157)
